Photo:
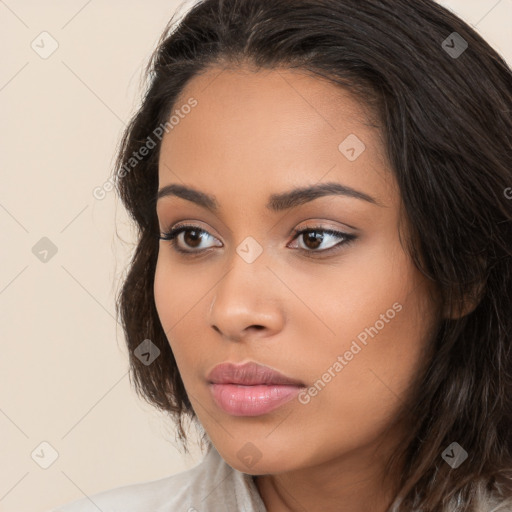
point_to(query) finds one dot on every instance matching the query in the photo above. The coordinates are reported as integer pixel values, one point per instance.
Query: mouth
(251, 400)
(250, 389)
(249, 374)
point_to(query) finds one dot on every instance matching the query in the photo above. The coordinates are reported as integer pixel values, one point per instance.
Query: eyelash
(172, 235)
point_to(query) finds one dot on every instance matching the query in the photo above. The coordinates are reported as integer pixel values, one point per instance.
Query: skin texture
(253, 134)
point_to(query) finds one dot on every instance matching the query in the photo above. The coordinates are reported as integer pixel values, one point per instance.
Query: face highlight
(312, 283)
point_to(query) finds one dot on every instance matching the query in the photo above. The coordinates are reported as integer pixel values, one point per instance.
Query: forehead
(253, 131)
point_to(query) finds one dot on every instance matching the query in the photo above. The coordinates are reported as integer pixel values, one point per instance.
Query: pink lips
(250, 389)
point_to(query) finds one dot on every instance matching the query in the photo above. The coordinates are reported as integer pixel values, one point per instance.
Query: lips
(250, 389)
(249, 374)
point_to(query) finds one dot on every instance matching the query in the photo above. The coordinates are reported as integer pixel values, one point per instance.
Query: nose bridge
(247, 276)
(247, 294)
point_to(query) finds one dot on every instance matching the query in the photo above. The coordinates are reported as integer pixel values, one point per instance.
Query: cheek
(175, 292)
(162, 292)
(382, 319)
(170, 301)
(362, 400)
(178, 301)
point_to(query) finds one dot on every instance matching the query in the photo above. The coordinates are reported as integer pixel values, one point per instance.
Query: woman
(322, 282)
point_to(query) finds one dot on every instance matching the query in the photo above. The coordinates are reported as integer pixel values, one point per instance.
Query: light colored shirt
(214, 486)
(210, 486)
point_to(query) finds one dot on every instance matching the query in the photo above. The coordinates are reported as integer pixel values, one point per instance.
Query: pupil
(314, 236)
(195, 237)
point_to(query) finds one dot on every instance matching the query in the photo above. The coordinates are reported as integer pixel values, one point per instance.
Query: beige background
(63, 364)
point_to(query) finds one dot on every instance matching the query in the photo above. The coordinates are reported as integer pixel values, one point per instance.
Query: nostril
(259, 327)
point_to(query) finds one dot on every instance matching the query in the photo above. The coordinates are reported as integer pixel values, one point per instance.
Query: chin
(257, 458)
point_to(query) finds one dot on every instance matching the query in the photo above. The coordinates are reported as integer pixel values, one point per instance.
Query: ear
(466, 305)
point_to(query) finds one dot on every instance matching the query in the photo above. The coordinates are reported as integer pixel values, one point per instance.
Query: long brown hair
(443, 98)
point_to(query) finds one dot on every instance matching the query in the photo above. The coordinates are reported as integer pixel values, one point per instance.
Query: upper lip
(249, 374)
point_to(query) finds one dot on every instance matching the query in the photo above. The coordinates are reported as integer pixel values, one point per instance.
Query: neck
(354, 482)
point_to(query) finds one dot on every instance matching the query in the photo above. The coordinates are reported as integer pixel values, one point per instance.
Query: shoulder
(151, 495)
(495, 499)
(209, 485)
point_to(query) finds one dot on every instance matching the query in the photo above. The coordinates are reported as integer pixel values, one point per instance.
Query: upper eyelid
(180, 228)
(318, 226)
(314, 220)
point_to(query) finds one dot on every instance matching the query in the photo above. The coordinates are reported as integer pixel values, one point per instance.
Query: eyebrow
(277, 202)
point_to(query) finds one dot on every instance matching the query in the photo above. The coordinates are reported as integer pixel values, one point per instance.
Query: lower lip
(240, 400)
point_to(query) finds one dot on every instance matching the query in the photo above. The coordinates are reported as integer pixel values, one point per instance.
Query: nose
(247, 302)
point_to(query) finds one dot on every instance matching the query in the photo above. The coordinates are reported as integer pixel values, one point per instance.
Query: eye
(193, 237)
(316, 236)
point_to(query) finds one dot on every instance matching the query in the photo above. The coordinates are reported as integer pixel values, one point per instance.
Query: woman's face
(349, 320)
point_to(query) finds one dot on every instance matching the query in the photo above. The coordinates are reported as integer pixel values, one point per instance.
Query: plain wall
(63, 363)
